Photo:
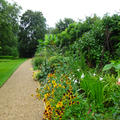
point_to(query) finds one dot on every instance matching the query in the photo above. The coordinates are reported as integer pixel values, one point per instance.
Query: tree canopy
(9, 14)
(61, 25)
(32, 28)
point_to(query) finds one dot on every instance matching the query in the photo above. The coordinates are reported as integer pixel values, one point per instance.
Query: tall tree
(8, 27)
(32, 28)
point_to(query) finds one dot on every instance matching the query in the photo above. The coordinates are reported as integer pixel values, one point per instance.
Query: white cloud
(53, 10)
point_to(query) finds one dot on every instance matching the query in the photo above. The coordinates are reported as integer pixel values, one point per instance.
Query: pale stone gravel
(16, 102)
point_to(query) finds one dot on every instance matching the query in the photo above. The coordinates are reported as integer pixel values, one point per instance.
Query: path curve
(16, 102)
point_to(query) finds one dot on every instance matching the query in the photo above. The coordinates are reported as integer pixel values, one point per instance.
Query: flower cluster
(58, 96)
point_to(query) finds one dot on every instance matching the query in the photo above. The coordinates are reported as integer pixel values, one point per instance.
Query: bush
(83, 94)
(37, 62)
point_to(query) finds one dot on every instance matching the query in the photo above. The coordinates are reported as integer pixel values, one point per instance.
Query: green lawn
(7, 66)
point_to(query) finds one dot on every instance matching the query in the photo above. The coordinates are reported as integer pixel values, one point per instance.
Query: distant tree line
(98, 38)
(19, 35)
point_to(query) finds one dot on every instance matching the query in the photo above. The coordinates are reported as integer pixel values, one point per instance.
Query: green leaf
(107, 67)
(117, 67)
(72, 118)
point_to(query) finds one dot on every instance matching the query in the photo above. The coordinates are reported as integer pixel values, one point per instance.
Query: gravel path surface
(16, 102)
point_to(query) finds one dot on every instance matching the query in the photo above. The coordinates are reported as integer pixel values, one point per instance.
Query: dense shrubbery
(97, 38)
(70, 87)
(73, 91)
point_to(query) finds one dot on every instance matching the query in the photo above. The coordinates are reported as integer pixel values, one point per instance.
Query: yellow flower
(68, 82)
(53, 82)
(46, 95)
(50, 85)
(59, 104)
(60, 85)
(55, 85)
(48, 81)
(47, 103)
(53, 91)
(48, 88)
(51, 100)
(70, 87)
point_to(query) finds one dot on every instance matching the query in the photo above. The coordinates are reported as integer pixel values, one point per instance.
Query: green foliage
(111, 33)
(9, 28)
(96, 94)
(71, 34)
(63, 24)
(37, 61)
(77, 111)
(46, 66)
(94, 88)
(32, 28)
(89, 46)
(55, 60)
(113, 67)
(69, 70)
(97, 38)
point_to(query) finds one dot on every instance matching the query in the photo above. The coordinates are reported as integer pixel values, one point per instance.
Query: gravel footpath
(16, 102)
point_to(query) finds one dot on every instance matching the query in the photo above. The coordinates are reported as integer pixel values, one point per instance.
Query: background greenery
(19, 34)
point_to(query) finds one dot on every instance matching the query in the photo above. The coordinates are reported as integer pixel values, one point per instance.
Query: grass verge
(7, 66)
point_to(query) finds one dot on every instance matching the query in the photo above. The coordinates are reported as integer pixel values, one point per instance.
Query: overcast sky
(53, 10)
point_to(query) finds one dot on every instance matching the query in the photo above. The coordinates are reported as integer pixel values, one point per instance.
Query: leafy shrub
(37, 62)
(113, 67)
(55, 61)
(94, 88)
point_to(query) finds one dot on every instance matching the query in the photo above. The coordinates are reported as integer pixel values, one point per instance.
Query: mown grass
(8, 65)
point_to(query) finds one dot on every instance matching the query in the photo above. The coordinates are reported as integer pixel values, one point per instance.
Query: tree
(62, 25)
(32, 28)
(8, 28)
(112, 31)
